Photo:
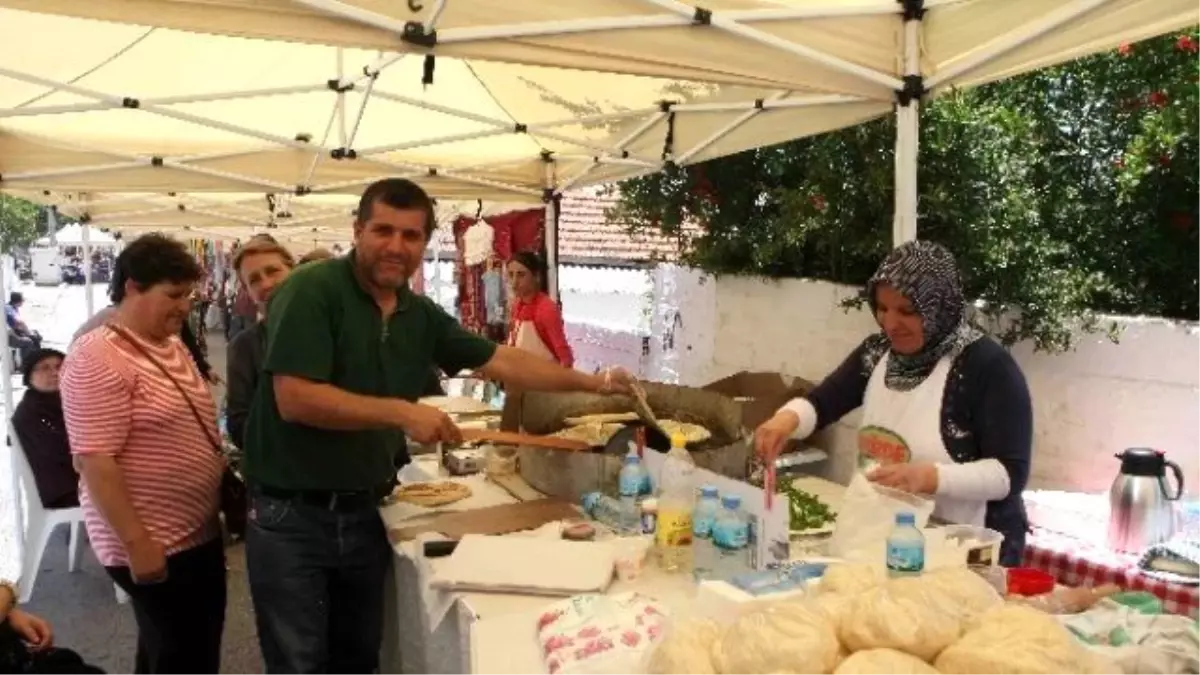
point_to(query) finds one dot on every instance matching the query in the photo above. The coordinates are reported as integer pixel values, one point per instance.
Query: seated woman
(27, 642)
(38, 422)
(946, 411)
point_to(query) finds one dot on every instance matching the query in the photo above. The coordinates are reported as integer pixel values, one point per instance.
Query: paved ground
(82, 606)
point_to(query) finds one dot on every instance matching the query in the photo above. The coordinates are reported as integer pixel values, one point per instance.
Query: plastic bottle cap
(708, 491)
(678, 441)
(731, 501)
(906, 518)
(631, 459)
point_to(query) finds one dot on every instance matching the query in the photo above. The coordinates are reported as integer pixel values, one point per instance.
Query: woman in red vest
(537, 323)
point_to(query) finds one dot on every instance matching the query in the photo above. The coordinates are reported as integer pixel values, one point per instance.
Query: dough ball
(786, 637)
(851, 578)
(958, 589)
(834, 606)
(883, 662)
(900, 615)
(686, 649)
(1016, 639)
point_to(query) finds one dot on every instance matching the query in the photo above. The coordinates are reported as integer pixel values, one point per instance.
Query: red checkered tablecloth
(1076, 562)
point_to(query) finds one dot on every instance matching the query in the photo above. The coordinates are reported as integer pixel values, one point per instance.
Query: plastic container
(630, 559)
(731, 540)
(676, 494)
(905, 547)
(1028, 581)
(982, 544)
(649, 516)
(703, 518)
(629, 488)
(610, 511)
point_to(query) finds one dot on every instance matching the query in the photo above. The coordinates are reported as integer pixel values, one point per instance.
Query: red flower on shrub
(818, 202)
(1119, 162)
(1158, 99)
(1125, 49)
(1186, 43)
(1164, 160)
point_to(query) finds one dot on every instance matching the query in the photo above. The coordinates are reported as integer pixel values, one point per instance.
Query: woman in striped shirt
(142, 426)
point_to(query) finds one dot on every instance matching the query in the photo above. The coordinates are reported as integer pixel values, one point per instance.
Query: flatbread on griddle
(431, 493)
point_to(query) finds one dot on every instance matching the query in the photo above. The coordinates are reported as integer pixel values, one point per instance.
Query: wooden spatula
(514, 438)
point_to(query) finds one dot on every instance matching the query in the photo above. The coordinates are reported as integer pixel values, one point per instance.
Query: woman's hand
(919, 478)
(772, 435)
(33, 630)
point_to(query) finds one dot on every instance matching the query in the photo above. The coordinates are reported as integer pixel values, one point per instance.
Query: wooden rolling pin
(514, 438)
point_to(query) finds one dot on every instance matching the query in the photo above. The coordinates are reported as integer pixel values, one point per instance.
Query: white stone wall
(1088, 404)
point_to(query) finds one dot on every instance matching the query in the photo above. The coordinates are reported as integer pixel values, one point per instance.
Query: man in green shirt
(349, 351)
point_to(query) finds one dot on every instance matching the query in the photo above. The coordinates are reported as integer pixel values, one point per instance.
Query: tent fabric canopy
(72, 235)
(221, 102)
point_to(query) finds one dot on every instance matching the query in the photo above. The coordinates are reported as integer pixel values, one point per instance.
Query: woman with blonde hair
(143, 429)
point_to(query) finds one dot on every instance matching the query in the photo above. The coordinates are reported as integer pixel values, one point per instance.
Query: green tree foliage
(20, 223)
(1064, 192)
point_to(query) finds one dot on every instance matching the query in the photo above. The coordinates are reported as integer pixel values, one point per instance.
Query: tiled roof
(587, 234)
(588, 237)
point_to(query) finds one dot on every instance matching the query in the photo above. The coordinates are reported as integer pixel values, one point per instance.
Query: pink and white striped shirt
(118, 403)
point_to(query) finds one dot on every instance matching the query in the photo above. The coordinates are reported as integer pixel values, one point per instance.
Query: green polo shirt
(322, 326)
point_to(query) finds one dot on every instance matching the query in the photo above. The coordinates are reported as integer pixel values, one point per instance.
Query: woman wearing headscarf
(946, 411)
(537, 323)
(42, 431)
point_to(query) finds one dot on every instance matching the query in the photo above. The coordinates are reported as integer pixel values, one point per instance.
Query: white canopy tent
(480, 99)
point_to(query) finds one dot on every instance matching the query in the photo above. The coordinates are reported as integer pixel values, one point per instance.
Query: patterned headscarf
(926, 274)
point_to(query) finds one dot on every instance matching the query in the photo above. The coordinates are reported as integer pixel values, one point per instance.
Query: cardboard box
(760, 394)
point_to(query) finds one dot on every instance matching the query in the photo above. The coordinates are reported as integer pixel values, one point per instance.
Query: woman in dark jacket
(38, 421)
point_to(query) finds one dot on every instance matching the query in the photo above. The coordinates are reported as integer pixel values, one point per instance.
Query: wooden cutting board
(501, 519)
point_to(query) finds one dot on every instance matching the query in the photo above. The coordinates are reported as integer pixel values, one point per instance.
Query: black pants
(180, 620)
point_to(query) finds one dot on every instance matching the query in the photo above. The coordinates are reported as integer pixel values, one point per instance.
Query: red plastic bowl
(1027, 581)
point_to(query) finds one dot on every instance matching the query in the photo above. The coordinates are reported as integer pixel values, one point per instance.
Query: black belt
(330, 500)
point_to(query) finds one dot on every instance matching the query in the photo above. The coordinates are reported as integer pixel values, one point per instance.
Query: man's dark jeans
(317, 580)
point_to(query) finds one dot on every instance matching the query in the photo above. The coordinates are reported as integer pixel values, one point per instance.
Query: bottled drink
(731, 539)
(905, 547)
(705, 514)
(610, 511)
(676, 487)
(629, 487)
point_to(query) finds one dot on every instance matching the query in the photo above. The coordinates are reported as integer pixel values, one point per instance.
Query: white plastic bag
(596, 634)
(866, 516)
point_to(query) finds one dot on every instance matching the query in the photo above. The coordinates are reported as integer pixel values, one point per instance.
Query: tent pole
(551, 226)
(6, 368)
(165, 100)
(770, 104)
(908, 116)
(726, 129)
(87, 270)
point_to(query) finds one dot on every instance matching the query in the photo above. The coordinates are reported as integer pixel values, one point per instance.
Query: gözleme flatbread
(433, 493)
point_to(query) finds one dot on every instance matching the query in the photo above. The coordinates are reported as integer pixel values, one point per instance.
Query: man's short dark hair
(15, 298)
(153, 259)
(398, 193)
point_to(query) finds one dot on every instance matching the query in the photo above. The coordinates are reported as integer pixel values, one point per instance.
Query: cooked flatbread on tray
(432, 493)
(692, 433)
(601, 418)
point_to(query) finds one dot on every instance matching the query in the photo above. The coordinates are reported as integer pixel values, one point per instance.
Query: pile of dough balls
(860, 622)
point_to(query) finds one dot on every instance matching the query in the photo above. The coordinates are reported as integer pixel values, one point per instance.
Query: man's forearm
(525, 371)
(327, 407)
(106, 485)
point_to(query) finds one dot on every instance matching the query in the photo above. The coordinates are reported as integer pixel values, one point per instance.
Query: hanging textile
(472, 310)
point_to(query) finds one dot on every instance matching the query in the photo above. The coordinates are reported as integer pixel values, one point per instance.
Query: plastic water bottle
(905, 547)
(610, 511)
(676, 494)
(731, 539)
(703, 518)
(629, 487)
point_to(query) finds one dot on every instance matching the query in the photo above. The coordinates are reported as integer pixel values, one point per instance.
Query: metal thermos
(1141, 510)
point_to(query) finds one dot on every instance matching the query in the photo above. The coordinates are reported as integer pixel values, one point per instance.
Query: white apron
(525, 337)
(906, 426)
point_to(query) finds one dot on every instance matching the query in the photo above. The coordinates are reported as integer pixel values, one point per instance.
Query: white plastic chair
(40, 523)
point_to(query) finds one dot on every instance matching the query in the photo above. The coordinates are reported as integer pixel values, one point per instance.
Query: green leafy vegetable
(806, 511)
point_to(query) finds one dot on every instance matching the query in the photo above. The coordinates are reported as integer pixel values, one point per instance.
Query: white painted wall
(1088, 404)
